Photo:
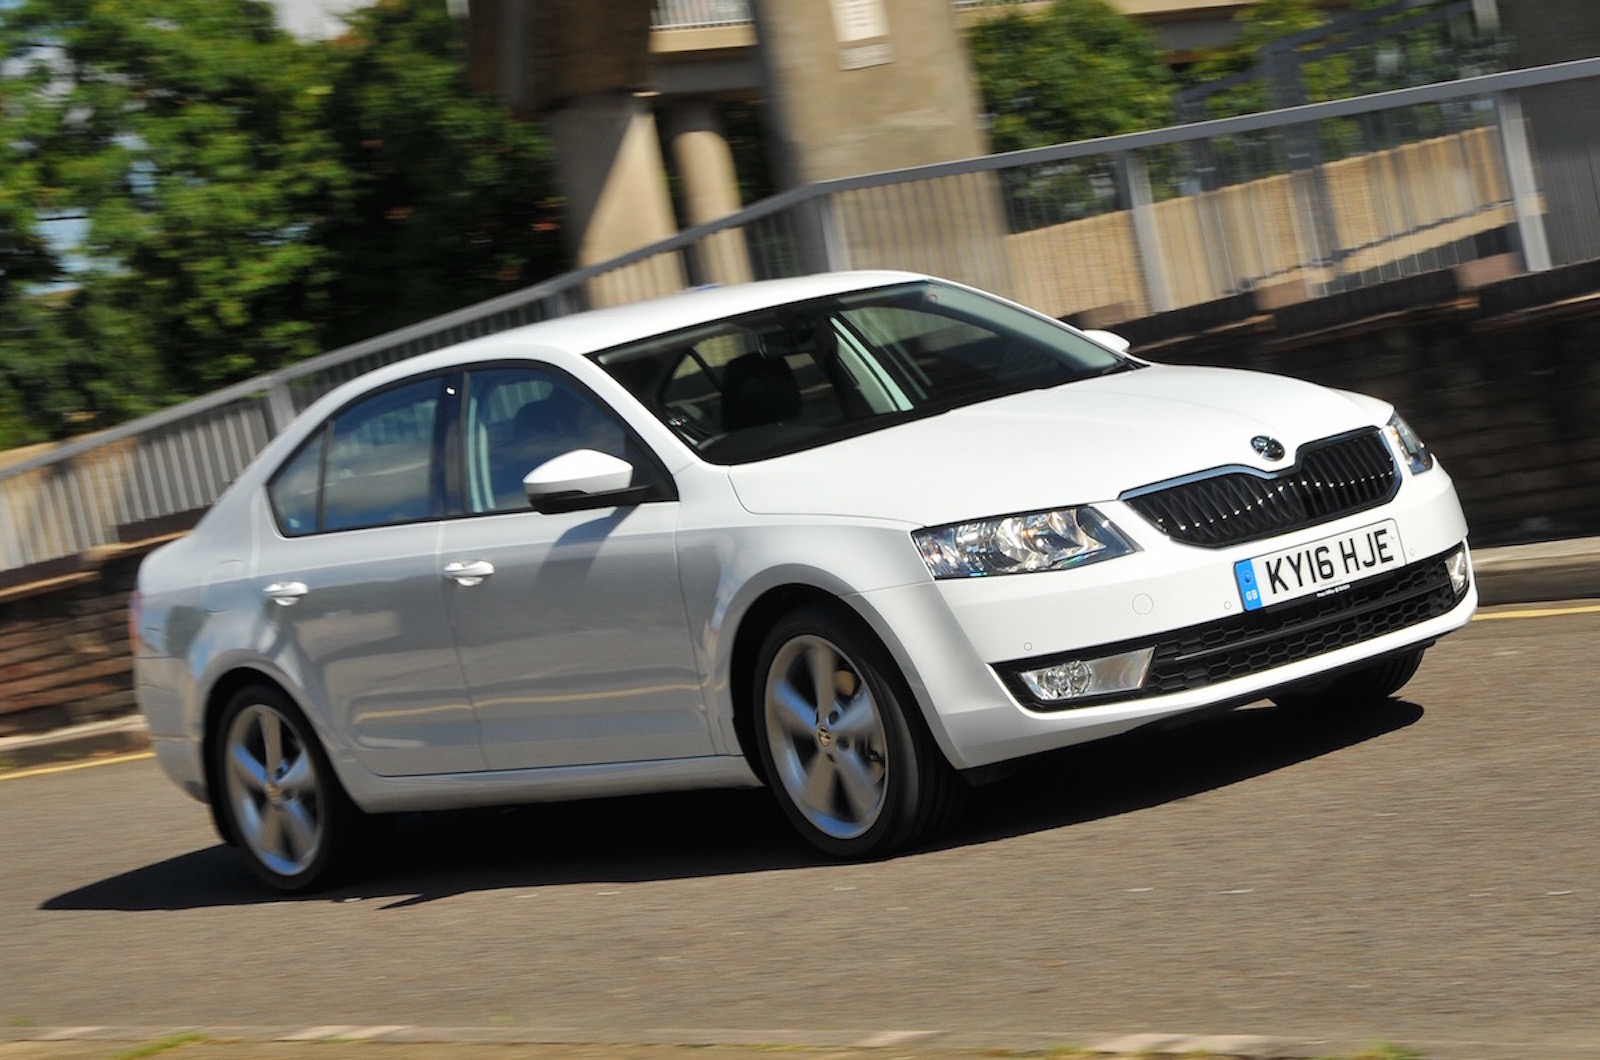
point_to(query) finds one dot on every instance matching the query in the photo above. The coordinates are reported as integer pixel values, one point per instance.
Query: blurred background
(198, 191)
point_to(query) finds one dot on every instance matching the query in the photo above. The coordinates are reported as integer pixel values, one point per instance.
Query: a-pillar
(710, 189)
(608, 159)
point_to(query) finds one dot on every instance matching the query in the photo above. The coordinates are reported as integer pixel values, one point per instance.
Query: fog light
(1081, 678)
(1456, 564)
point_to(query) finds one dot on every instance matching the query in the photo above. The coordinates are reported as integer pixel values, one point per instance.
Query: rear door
(351, 595)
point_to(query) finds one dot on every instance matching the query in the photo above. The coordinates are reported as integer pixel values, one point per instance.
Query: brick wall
(1501, 380)
(64, 655)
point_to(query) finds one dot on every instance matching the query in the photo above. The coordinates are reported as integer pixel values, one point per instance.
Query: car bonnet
(1072, 444)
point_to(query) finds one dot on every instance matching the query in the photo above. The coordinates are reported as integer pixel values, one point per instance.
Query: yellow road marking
(68, 767)
(1546, 612)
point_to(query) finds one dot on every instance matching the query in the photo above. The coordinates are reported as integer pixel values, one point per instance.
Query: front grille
(1256, 641)
(1334, 477)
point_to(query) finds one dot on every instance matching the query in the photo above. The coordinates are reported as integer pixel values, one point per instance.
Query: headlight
(1406, 441)
(1021, 544)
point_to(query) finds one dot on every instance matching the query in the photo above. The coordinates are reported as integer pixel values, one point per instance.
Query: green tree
(248, 199)
(449, 199)
(1077, 70)
(28, 267)
(1264, 23)
(189, 134)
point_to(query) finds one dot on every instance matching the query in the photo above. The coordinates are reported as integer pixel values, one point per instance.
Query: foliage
(1261, 24)
(187, 133)
(1406, 46)
(742, 124)
(247, 199)
(448, 202)
(1077, 70)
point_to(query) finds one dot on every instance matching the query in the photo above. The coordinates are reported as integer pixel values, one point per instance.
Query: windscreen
(810, 373)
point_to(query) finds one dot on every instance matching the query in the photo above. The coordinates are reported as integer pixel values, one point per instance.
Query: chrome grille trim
(1332, 477)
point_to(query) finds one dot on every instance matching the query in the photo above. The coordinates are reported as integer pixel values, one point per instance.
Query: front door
(571, 628)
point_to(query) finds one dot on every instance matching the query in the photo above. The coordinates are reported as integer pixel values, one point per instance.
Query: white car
(853, 536)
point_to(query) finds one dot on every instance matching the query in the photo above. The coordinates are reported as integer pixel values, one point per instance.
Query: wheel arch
(757, 621)
(764, 612)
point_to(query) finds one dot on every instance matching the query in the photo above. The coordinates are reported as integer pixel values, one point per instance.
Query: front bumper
(1258, 641)
(961, 644)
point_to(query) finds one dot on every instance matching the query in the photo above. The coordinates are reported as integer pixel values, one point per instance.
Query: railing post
(1146, 236)
(822, 246)
(280, 407)
(1524, 185)
(10, 540)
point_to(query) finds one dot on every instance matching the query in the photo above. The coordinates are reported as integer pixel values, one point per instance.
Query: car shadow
(1165, 763)
(419, 858)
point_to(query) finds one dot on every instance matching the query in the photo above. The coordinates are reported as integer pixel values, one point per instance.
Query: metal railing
(700, 14)
(1404, 182)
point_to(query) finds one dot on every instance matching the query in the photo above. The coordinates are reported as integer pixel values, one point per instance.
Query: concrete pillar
(862, 86)
(609, 162)
(579, 64)
(710, 189)
(859, 86)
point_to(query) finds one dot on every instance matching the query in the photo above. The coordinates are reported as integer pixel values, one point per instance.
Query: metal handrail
(791, 218)
(1467, 88)
(699, 14)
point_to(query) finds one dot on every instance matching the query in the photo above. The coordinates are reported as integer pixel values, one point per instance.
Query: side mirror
(576, 480)
(1109, 339)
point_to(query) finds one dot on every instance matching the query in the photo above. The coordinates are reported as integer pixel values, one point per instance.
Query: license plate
(1319, 568)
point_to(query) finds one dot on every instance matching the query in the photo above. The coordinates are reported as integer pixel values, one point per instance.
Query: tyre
(278, 796)
(841, 744)
(1376, 680)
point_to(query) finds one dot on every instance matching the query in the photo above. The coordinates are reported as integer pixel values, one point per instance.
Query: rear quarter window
(296, 491)
(376, 463)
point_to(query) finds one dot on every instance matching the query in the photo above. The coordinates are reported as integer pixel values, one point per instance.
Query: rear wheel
(850, 763)
(1376, 680)
(279, 798)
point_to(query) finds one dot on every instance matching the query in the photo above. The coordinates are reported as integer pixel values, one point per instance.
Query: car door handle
(285, 593)
(468, 572)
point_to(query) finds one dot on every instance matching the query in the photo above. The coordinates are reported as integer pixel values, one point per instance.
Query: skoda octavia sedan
(850, 536)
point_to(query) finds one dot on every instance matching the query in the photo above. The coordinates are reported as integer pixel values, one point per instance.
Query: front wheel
(278, 795)
(851, 766)
(1374, 681)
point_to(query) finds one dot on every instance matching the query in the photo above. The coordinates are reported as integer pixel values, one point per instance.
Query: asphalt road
(1424, 870)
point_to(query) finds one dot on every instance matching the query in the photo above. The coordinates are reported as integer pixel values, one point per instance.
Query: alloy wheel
(274, 791)
(826, 734)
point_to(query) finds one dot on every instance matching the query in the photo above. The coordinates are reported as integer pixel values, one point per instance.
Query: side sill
(548, 784)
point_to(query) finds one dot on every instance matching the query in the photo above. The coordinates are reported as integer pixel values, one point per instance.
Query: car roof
(588, 332)
(601, 329)
(593, 330)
